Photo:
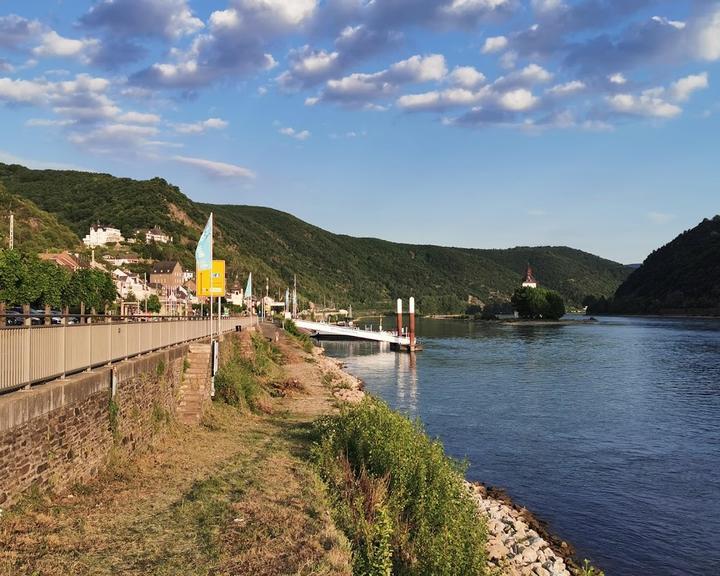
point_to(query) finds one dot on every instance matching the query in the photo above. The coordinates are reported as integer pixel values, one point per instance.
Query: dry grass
(234, 496)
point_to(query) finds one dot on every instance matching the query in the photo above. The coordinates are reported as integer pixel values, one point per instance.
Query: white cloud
(22, 91)
(677, 24)
(108, 138)
(139, 118)
(546, 6)
(54, 45)
(647, 103)
(418, 69)
(683, 88)
(530, 75)
(466, 76)
(46, 122)
(567, 88)
(707, 35)
(518, 100)
(617, 78)
(362, 89)
(141, 18)
(494, 44)
(660, 217)
(297, 134)
(201, 127)
(216, 169)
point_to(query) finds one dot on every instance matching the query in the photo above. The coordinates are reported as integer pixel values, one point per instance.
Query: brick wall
(60, 433)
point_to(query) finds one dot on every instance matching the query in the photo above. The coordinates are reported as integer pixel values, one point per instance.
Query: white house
(125, 283)
(101, 235)
(155, 234)
(236, 296)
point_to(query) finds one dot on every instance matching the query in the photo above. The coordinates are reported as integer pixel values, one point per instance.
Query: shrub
(235, 384)
(397, 495)
(538, 303)
(305, 341)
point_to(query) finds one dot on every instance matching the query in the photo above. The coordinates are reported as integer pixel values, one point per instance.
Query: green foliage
(113, 416)
(160, 369)
(236, 385)
(397, 495)
(152, 304)
(25, 279)
(588, 570)
(680, 277)
(238, 382)
(35, 230)
(364, 272)
(303, 339)
(533, 303)
(94, 288)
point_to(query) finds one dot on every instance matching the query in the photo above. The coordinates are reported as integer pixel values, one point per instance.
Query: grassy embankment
(242, 494)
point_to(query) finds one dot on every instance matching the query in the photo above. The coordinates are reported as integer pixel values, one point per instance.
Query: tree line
(25, 279)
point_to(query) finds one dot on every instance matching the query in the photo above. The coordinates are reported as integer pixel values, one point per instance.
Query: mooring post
(399, 317)
(412, 323)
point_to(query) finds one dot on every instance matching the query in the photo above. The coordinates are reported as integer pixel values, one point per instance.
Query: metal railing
(33, 354)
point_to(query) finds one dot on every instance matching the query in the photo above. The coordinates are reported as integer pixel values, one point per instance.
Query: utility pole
(12, 230)
(294, 312)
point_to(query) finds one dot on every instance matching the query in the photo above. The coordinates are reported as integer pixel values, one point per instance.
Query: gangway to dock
(325, 331)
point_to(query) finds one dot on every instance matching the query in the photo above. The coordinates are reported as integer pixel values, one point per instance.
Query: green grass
(240, 381)
(399, 499)
(300, 337)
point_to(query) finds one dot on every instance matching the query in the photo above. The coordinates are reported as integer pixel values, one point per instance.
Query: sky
(477, 123)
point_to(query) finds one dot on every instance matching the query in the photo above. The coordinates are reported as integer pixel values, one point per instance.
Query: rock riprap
(514, 548)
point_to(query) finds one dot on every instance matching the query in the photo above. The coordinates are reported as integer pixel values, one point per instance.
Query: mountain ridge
(330, 267)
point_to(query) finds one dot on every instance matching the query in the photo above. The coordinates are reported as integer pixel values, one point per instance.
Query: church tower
(529, 281)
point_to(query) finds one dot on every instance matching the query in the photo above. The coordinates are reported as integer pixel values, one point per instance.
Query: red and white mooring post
(412, 323)
(399, 317)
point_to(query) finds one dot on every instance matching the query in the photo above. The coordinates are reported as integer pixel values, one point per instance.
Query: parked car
(13, 318)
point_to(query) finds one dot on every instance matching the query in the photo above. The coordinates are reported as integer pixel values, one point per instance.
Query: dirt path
(235, 496)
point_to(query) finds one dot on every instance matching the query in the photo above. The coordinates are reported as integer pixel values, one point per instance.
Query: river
(610, 431)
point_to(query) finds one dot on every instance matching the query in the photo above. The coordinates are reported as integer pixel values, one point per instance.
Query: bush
(303, 339)
(235, 384)
(532, 303)
(401, 502)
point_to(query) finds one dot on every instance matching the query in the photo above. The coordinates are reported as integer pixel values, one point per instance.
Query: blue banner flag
(204, 250)
(248, 287)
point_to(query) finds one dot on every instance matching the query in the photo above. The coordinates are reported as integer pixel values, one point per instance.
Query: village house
(62, 259)
(155, 234)
(102, 235)
(167, 273)
(122, 259)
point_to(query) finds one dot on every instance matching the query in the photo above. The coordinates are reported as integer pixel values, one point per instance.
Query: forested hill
(681, 277)
(334, 268)
(35, 229)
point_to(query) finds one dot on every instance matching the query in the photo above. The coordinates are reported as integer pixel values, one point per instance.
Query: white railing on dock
(32, 354)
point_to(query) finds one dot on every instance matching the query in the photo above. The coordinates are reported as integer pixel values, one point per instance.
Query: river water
(610, 431)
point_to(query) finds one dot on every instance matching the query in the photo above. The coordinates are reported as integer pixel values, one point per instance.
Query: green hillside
(334, 268)
(681, 277)
(35, 229)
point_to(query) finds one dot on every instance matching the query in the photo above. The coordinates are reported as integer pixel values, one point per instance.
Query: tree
(131, 296)
(152, 303)
(93, 288)
(533, 303)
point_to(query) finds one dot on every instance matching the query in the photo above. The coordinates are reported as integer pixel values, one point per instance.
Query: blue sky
(478, 123)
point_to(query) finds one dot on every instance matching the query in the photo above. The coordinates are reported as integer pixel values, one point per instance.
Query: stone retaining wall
(60, 433)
